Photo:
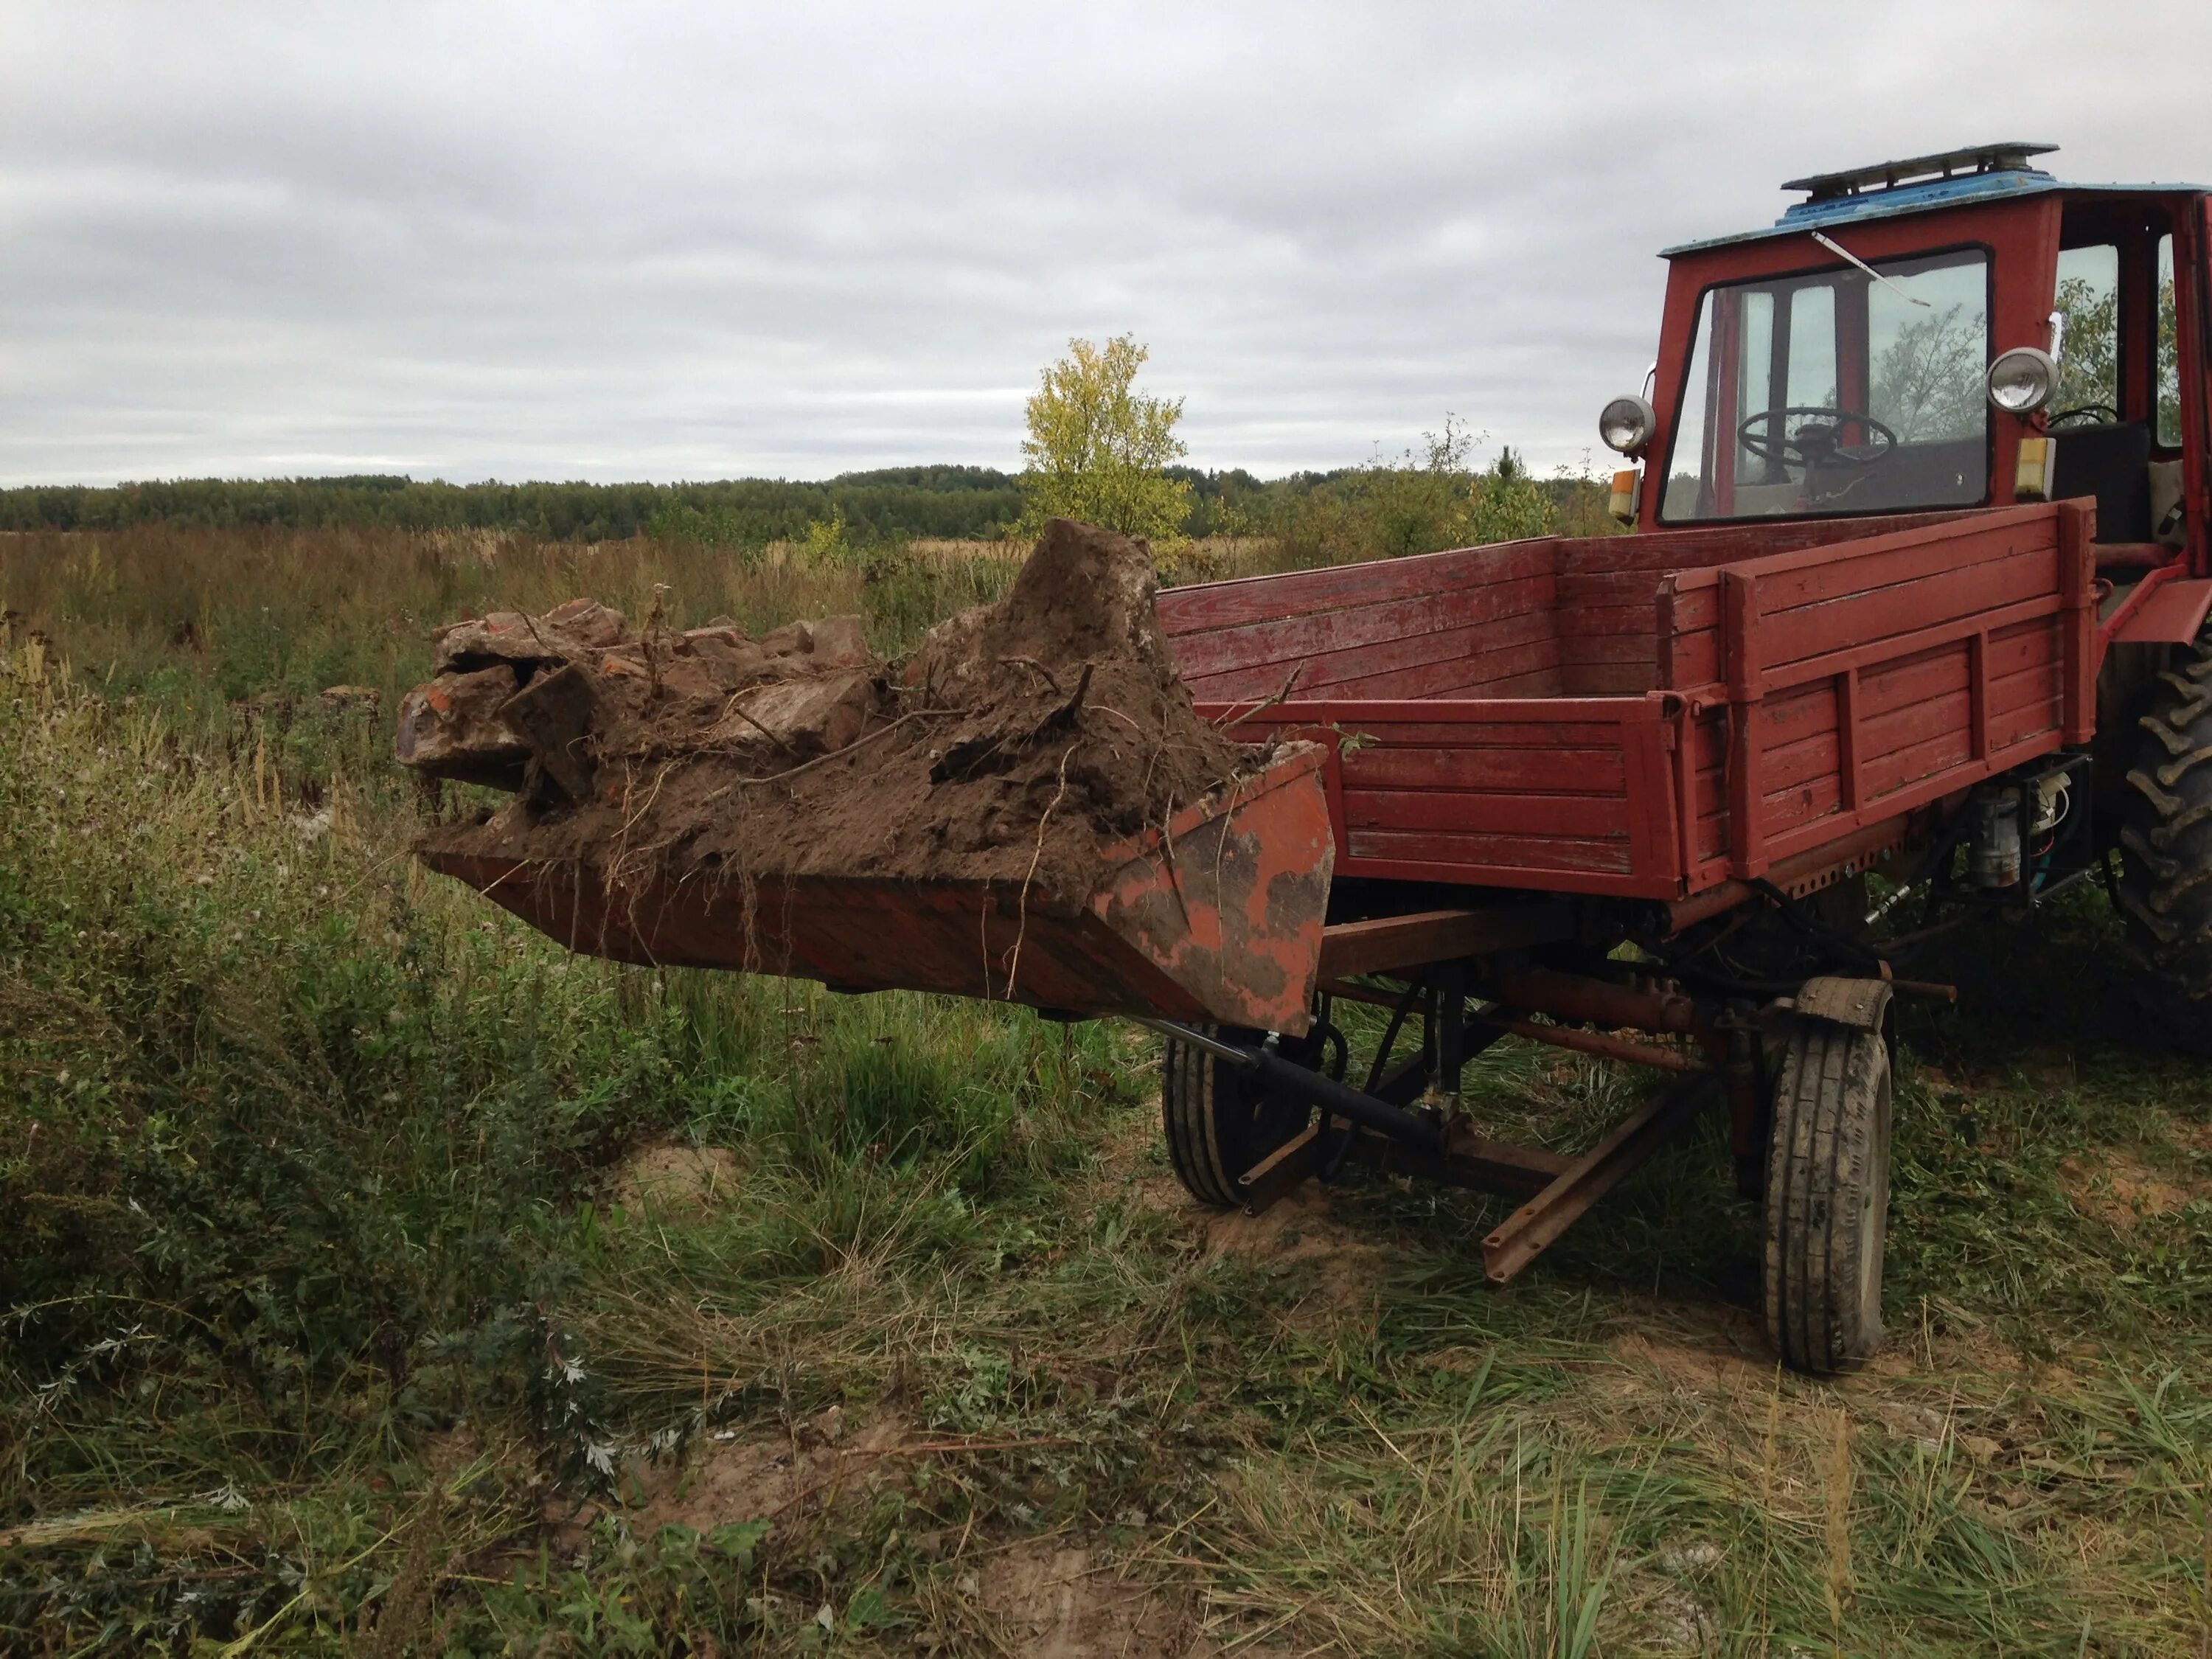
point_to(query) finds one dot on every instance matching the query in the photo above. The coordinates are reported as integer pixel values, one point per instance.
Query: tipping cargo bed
(1650, 715)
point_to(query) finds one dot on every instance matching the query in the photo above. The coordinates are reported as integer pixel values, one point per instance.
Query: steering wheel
(2101, 413)
(1814, 445)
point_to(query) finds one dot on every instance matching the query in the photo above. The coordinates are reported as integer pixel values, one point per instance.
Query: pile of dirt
(1020, 739)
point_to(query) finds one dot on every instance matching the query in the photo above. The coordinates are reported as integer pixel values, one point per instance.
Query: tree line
(890, 505)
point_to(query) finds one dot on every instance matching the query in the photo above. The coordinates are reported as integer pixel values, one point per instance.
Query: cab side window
(2169, 351)
(2088, 299)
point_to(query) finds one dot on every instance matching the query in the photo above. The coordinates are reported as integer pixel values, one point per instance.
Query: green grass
(336, 1321)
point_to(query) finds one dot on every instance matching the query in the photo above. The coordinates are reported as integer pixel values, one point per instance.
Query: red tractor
(1922, 565)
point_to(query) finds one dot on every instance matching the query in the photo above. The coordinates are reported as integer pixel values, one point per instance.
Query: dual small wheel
(1825, 1206)
(1218, 1122)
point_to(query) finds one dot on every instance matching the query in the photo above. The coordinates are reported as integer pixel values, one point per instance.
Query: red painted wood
(2174, 615)
(1524, 855)
(1597, 818)
(1605, 679)
(1464, 646)
(1290, 639)
(1514, 749)
(1866, 619)
(1594, 771)
(1806, 576)
(1579, 621)
(1206, 606)
(1457, 677)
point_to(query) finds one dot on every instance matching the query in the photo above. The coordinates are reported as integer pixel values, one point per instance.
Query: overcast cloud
(667, 241)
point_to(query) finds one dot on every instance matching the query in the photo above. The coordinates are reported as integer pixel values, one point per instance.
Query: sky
(667, 241)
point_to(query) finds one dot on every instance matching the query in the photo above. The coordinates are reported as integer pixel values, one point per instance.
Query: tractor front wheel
(2165, 855)
(1827, 1197)
(1219, 1122)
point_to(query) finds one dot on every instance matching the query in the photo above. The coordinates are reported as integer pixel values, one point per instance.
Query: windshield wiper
(1834, 246)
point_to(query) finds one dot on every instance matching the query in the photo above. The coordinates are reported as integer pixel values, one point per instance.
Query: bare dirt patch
(1053, 1598)
(1730, 1359)
(2119, 1188)
(668, 1178)
(776, 1476)
(1300, 1236)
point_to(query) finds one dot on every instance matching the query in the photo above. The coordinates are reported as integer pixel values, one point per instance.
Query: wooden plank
(1863, 619)
(1585, 590)
(1578, 620)
(1895, 647)
(1376, 946)
(1581, 818)
(1410, 732)
(1762, 562)
(1714, 544)
(1852, 569)
(1541, 716)
(1241, 601)
(1558, 854)
(1537, 683)
(1600, 771)
(1294, 638)
(1692, 659)
(1637, 648)
(1462, 671)
(1333, 672)
(1604, 679)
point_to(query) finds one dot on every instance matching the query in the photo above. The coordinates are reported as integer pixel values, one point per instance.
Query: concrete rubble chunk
(450, 728)
(804, 717)
(572, 632)
(553, 714)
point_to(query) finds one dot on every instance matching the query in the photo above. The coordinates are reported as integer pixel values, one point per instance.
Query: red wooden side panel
(1441, 623)
(1645, 716)
(1573, 795)
(1863, 679)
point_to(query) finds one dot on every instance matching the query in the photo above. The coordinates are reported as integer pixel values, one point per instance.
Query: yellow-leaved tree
(1096, 447)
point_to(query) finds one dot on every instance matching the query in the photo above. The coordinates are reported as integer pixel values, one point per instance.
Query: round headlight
(2022, 379)
(1627, 424)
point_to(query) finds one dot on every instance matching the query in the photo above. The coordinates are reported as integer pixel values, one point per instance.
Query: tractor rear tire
(1218, 1122)
(2165, 855)
(1827, 1197)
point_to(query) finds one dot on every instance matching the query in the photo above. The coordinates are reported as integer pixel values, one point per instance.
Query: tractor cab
(1932, 335)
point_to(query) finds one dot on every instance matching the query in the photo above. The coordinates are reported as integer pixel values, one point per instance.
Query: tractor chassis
(1406, 1120)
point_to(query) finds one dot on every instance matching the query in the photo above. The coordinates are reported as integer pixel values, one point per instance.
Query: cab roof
(1885, 190)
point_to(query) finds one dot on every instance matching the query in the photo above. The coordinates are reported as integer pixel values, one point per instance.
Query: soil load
(1026, 808)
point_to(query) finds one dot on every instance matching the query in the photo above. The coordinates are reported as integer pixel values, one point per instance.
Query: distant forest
(890, 504)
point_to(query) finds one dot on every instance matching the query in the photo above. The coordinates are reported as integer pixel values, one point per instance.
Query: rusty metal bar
(1275, 1174)
(1414, 941)
(1351, 992)
(1606, 1046)
(1496, 1166)
(1525, 1234)
(1578, 996)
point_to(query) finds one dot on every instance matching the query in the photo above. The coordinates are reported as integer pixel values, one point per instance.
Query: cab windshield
(1831, 392)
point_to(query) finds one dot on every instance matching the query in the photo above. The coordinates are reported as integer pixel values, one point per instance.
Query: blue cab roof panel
(1988, 172)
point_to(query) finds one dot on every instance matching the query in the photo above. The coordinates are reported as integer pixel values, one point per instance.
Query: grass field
(379, 1280)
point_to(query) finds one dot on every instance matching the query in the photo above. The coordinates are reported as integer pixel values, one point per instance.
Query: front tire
(1826, 1207)
(1217, 1121)
(2165, 868)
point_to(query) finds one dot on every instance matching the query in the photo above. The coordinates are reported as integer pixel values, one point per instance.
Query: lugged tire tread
(2166, 864)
